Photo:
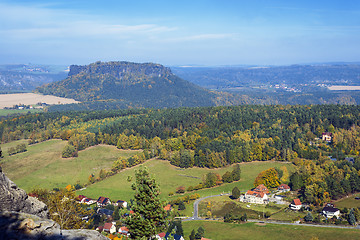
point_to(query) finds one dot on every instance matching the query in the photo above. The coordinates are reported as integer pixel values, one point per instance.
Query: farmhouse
(255, 197)
(283, 188)
(296, 204)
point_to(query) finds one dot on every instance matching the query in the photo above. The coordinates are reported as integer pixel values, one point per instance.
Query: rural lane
(196, 208)
(196, 217)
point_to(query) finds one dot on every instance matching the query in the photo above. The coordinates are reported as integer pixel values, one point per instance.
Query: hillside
(129, 84)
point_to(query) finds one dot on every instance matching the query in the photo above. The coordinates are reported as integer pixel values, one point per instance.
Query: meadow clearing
(42, 165)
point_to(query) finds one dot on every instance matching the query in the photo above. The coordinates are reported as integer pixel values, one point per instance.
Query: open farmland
(42, 165)
(9, 100)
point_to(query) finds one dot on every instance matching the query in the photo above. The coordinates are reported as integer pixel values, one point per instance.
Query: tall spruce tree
(149, 216)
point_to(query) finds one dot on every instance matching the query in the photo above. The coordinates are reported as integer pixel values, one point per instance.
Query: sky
(180, 33)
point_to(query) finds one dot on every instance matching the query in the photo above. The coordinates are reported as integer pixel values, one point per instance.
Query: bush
(180, 189)
(69, 151)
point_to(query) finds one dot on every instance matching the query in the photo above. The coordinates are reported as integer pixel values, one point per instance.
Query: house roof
(256, 193)
(103, 200)
(283, 186)
(327, 133)
(262, 188)
(167, 207)
(330, 209)
(120, 201)
(80, 197)
(107, 226)
(297, 201)
(100, 228)
(123, 229)
(162, 234)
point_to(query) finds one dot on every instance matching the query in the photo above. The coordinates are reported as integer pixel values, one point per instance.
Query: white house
(330, 212)
(296, 204)
(255, 197)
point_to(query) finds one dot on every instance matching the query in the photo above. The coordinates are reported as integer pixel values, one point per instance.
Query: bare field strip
(9, 100)
(344, 88)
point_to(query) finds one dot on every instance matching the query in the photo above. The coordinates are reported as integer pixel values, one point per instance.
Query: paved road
(196, 208)
(196, 217)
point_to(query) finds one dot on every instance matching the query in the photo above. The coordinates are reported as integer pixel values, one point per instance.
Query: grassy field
(6, 112)
(42, 165)
(253, 231)
(222, 205)
(348, 202)
(170, 177)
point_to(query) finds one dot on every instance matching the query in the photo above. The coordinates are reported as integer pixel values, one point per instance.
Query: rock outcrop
(23, 217)
(15, 199)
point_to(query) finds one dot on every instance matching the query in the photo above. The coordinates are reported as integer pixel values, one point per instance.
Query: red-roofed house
(255, 197)
(167, 207)
(283, 188)
(80, 198)
(296, 204)
(103, 201)
(160, 236)
(124, 231)
(262, 188)
(110, 227)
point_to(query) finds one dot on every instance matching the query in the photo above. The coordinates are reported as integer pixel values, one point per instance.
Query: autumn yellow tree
(268, 177)
(64, 210)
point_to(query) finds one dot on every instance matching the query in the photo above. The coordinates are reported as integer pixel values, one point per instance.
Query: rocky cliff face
(23, 217)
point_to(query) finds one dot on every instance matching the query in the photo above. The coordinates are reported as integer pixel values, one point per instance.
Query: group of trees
(17, 149)
(320, 181)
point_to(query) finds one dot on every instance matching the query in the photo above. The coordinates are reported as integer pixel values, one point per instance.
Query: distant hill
(251, 76)
(26, 77)
(129, 85)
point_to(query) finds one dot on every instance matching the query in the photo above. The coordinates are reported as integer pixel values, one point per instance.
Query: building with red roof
(296, 204)
(283, 188)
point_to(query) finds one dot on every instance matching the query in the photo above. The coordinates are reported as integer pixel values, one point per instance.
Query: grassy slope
(42, 165)
(348, 202)
(228, 231)
(170, 177)
(6, 112)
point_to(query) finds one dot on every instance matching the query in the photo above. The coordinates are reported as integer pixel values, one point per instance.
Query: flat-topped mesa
(121, 69)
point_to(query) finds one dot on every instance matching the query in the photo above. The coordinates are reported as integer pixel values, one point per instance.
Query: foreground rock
(15, 199)
(23, 217)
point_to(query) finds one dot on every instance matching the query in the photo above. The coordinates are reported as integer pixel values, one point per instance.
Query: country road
(196, 217)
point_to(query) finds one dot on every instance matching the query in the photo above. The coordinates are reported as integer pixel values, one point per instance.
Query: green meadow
(232, 231)
(6, 112)
(170, 177)
(42, 165)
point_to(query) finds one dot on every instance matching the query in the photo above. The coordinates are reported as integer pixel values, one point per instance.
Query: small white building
(296, 204)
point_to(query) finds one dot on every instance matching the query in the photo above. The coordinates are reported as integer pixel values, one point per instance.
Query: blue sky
(199, 32)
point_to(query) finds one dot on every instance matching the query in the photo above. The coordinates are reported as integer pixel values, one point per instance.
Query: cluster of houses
(110, 227)
(260, 195)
